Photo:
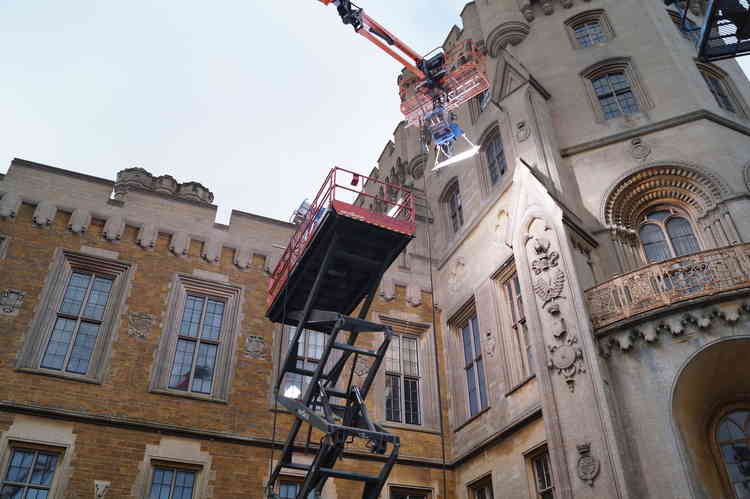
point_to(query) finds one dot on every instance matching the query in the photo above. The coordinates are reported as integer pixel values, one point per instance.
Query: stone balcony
(668, 283)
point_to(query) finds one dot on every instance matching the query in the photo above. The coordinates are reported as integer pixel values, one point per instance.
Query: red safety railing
(394, 211)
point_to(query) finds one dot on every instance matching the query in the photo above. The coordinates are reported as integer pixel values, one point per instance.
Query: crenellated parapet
(139, 179)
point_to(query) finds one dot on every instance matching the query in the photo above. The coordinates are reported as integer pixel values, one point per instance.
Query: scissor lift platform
(361, 244)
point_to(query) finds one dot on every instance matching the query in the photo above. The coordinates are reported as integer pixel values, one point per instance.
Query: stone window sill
(60, 374)
(472, 419)
(409, 427)
(188, 395)
(520, 385)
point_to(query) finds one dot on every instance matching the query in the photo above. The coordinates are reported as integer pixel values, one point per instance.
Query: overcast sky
(254, 99)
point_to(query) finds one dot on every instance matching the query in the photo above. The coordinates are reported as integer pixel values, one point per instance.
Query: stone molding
(44, 213)
(79, 221)
(746, 174)
(512, 32)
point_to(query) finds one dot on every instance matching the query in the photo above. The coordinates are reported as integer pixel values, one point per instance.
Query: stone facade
(565, 351)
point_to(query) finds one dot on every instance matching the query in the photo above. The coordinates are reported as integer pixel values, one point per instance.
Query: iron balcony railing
(395, 211)
(671, 281)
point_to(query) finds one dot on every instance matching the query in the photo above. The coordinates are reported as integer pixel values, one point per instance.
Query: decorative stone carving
(180, 243)
(648, 332)
(639, 149)
(255, 347)
(523, 132)
(101, 488)
(243, 257)
(9, 204)
(140, 324)
(79, 221)
(11, 301)
(491, 344)
(566, 3)
(509, 33)
(414, 295)
(44, 213)
(113, 228)
(211, 251)
(548, 7)
(588, 466)
(567, 360)
(548, 285)
(388, 289)
(133, 179)
(147, 236)
(456, 274)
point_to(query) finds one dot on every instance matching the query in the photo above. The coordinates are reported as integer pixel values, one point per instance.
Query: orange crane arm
(367, 27)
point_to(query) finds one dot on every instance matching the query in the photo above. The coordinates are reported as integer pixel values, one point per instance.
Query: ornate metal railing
(668, 282)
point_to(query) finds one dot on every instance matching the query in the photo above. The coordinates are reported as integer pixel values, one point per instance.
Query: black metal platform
(359, 251)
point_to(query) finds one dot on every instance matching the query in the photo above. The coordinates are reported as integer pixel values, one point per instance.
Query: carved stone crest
(523, 132)
(11, 301)
(567, 360)
(139, 324)
(362, 367)
(639, 149)
(588, 466)
(101, 488)
(456, 274)
(255, 347)
(549, 285)
(491, 344)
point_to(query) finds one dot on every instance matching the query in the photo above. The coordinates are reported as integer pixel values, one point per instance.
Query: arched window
(452, 201)
(494, 154)
(733, 440)
(720, 87)
(589, 28)
(666, 233)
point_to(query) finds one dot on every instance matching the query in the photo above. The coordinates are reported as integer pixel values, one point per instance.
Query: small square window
(542, 472)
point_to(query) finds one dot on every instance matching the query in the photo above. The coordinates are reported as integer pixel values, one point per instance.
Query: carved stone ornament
(140, 324)
(101, 488)
(9, 204)
(548, 285)
(414, 295)
(180, 243)
(79, 221)
(639, 149)
(255, 347)
(243, 257)
(567, 360)
(113, 228)
(211, 251)
(362, 367)
(44, 213)
(11, 301)
(548, 7)
(491, 343)
(523, 132)
(147, 236)
(588, 466)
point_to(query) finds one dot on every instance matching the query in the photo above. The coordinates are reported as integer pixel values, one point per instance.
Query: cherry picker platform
(333, 264)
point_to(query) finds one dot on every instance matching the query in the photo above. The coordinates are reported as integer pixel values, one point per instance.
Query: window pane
(191, 317)
(654, 244)
(183, 485)
(83, 348)
(315, 344)
(161, 483)
(20, 466)
(212, 321)
(411, 401)
(204, 368)
(482, 384)
(659, 216)
(477, 342)
(183, 362)
(393, 398)
(44, 469)
(288, 490)
(681, 234)
(542, 472)
(392, 356)
(98, 298)
(57, 348)
(472, 387)
(411, 365)
(11, 492)
(37, 494)
(468, 351)
(75, 293)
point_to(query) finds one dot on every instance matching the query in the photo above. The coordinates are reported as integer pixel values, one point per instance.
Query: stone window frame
(727, 85)
(479, 104)
(56, 487)
(64, 263)
(178, 466)
(519, 368)
(4, 243)
(539, 452)
(676, 211)
(589, 16)
(428, 403)
(231, 295)
(691, 36)
(408, 491)
(623, 65)
(483, 484)
(453, 185)
(717, 455)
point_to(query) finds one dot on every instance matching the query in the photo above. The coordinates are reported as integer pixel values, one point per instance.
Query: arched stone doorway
(714, 383)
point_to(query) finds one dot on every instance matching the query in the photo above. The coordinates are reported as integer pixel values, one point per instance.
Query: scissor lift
(334, 264)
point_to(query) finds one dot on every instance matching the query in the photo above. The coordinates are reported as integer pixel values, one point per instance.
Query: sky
(256, 100)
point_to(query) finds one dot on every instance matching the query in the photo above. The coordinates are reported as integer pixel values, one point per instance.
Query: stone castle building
(573, 315)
